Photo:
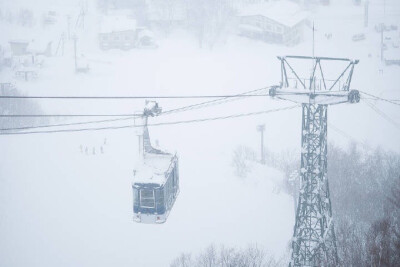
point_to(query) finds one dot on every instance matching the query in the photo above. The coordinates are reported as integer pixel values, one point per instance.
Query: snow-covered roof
(146, 33)
(120, 12)
(38, 45)
(19, 41)
(153, 168)
(283, 12)
(116, 24)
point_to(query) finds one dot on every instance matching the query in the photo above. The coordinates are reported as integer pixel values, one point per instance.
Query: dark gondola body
(156, 181)
(155, 189)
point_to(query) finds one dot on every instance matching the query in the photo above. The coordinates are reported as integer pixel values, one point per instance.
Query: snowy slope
(61, 207)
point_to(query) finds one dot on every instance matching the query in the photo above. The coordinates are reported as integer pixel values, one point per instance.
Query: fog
(79, 82)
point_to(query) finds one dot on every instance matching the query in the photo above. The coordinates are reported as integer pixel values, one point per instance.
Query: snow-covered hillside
(61, 206)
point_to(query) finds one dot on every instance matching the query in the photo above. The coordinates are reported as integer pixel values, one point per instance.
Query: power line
(181, 109)
(213, 102)
(64, 124)
(383, 115)
(157, 124)
(348, 136)
(380, 98)
(65, 115)
(129, 97)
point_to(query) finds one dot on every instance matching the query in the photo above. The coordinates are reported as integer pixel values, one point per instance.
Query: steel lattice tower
(314, 241)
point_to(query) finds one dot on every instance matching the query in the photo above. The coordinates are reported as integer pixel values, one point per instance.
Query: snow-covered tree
(209, 19)
(252, 255)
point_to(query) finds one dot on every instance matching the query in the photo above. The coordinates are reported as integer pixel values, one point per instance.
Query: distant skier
(94, 151)
(101, 150)
(86, 150)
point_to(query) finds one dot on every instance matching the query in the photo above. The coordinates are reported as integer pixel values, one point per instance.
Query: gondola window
(147, 198)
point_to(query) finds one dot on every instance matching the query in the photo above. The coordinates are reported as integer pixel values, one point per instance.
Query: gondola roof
(153, 168)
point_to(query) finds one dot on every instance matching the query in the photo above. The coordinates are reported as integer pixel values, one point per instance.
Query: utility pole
(63, 42)
(76, 63)
(314, 240)
(80, 21)
(69, 26)
(83, 17)
(382, 29)
(366, 14)
(384, 8)
(261, 129)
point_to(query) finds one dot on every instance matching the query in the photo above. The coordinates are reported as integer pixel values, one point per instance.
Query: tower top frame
(315, 90)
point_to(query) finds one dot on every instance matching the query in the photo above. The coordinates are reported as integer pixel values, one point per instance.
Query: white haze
(61, 207)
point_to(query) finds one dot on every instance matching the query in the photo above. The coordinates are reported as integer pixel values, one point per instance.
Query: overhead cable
(154, 124)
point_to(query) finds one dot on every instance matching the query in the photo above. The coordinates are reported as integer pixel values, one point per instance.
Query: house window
(279, 29)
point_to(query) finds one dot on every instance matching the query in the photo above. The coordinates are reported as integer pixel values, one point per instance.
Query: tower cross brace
(314, 240)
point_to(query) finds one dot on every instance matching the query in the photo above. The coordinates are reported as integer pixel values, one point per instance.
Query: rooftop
(286, 13)
(116, 24)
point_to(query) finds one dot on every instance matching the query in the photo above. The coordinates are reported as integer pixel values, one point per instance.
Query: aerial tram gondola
(155, 184)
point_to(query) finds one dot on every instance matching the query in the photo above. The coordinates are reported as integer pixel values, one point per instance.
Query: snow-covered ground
(61, 207)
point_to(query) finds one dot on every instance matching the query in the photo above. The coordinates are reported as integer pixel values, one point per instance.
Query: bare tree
(25, 17)
(209, 19)
(228, 257)
(184, 260)
(208, 258)
(351, 242)
(242, 157)
(368, 232)
(251, 256)
(22, 106)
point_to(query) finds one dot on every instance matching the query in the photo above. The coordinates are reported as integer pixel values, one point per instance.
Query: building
(19, 47)
(117, 32)
(275, 22)
(121, 32)
(31, 47)
(392, 56)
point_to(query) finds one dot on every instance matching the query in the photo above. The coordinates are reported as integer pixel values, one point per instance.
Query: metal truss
(316, 88)
(311, 82)
(314, 241)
